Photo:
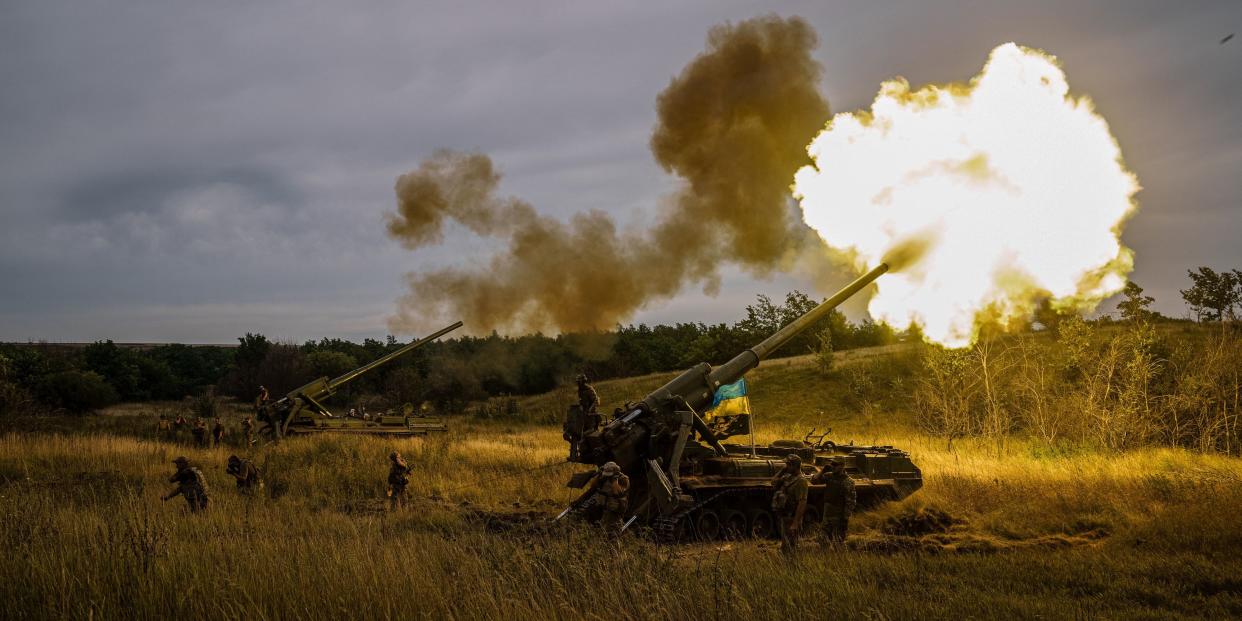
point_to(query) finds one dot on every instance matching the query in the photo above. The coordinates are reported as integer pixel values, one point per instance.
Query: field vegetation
(1030, 527)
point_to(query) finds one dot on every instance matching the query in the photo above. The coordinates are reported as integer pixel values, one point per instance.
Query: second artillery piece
(301, 410)
(685, 482)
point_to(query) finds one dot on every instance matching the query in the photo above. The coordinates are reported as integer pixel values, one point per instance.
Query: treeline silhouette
(447, 374)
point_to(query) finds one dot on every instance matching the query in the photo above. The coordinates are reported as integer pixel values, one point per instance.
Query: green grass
(1039, 533)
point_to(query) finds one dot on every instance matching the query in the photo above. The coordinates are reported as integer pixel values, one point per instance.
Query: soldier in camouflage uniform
(613, 486)
(582, 417)
(789, 501)
(247, 425)
(245, 473)
(200, 433)
(840, 498)
(588, 399)
(163, 429)
(217, 432)
(191, 484)
(398, 479)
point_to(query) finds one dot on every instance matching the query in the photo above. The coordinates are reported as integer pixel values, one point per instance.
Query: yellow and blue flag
(730, 400)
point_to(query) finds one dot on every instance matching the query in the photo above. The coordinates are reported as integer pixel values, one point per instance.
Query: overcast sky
(177, 171)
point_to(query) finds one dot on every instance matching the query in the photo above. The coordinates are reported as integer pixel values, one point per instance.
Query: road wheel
(707, 525)
(733, 525)
(762, 524)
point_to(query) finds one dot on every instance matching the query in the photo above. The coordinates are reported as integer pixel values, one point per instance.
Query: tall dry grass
(86, 536)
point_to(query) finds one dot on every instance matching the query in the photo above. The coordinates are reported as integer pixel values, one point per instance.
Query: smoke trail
(1011, 190)
(732, 126)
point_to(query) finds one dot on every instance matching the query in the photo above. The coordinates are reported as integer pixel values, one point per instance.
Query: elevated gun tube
(281, 413)
(697, 385)
(385, 359)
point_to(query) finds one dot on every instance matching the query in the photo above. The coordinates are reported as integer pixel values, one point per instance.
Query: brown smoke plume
(734, 126)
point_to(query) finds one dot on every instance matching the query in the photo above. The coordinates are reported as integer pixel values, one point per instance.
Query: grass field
(1036, 533)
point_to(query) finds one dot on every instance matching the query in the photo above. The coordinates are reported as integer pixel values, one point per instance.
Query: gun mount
(685, 480)
(301, 410)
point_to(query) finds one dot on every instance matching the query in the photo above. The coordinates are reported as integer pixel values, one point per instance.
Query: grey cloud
(189, 164)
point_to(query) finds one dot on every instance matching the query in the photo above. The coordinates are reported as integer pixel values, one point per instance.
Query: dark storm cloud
(105, 196)
(197, 170)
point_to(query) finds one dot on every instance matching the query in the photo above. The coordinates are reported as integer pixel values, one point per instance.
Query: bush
(77, 391)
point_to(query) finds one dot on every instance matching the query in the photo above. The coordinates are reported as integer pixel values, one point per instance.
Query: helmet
(837, 465)
(581, 379)
(793, 459)
(611, 468)
(394, 456)
(181, 461)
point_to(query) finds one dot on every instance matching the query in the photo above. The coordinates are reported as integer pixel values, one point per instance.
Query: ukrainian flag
(730, 400)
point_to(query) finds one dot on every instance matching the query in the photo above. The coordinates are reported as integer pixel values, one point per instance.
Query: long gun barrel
(348, 377)
(698, 385)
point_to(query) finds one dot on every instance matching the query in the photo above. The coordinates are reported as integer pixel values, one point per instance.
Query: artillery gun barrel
(696, 386)
(349, 376)
(734, 369)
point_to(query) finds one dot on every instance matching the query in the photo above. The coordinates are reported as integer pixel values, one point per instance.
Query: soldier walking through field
(245, 473)
(398, 479)
(163, 429)
(247, 425)
(614, 487)
(200, 433)
(840, 498)
(789, 501)
(190, 484)
(217, 432)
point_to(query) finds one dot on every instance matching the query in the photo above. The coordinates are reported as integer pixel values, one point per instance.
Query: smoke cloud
(733, 126)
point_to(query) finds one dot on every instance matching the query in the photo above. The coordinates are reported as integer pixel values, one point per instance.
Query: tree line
(450, 373)
(447, 374)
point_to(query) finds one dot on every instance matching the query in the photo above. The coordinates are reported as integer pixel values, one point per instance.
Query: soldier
(190, 484)
(245, 473)
(163, 429)
(261, 399)
(200, 432)
(840, 499)
(614, 486)
(789, 501)
(588, 399)
(178, 426)
(247, 425)
(398, 478)
(217, 432)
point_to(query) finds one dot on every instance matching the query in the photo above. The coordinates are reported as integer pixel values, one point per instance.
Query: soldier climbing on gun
(582, 417)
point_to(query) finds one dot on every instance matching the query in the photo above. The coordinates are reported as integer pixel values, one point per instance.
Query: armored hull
(384, 425)
(732, 495)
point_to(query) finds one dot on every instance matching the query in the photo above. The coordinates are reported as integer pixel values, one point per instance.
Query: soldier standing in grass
(247, 425)
(398, 479)
(614, 486)
(261, 399)
(200, 433)
(789, 501)
(245, 473)
(163, 429)
(840, 499)
(217, 432)
(190, 484)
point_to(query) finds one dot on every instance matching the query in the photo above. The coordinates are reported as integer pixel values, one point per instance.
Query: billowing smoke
(732, 126)
(1010, 190)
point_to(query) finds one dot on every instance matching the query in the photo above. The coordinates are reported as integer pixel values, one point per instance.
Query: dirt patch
(933, 530)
